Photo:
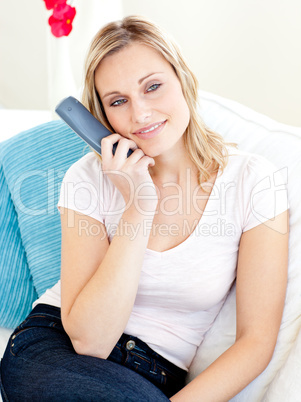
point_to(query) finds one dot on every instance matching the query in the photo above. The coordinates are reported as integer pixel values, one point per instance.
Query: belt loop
(153, 367)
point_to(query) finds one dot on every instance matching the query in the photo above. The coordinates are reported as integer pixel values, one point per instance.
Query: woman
(152, 243)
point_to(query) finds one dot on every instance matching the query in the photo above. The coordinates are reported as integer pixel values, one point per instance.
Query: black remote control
(83, 123)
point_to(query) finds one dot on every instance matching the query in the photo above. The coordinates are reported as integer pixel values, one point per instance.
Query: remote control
(83, 123)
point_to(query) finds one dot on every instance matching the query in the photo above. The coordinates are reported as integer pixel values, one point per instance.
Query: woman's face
(142, 98)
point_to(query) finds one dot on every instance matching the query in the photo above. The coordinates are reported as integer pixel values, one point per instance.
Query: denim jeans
(40, 364)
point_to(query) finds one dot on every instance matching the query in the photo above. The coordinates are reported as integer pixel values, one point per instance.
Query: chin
(153, 151)
(151, 154)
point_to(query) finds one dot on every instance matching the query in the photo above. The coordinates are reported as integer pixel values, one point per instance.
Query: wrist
(136, 213)
(144, 206)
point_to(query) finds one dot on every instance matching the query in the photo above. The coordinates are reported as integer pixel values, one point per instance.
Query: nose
(141, 111)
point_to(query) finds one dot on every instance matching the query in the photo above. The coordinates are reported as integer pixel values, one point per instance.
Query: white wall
(23, 63)
(246, 50)
(33, 68)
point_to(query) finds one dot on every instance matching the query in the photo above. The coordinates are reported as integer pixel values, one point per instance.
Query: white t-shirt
(182, 290)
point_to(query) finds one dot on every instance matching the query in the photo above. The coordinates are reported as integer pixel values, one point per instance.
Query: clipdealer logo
(123, 228)
(47, 184)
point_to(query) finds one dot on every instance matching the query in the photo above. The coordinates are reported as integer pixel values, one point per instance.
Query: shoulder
(86, 171)
(250, 166)
(261, 192)
(88, 164)
(85, 188)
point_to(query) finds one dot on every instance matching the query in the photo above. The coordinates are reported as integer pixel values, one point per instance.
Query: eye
(153, 87)
(118, 102)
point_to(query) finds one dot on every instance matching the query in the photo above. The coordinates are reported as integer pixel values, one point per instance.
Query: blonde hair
(206, 148)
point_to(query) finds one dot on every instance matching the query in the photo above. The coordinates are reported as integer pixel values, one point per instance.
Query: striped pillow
(34, 164)
(16, 287)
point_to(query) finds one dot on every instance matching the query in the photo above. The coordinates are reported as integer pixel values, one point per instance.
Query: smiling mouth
(152, 129)
(151, 132)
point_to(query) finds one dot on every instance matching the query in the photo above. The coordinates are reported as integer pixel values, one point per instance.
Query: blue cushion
(16, 287)
(34, 164)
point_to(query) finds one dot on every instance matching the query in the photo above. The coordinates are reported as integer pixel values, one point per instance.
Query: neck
(173, 166)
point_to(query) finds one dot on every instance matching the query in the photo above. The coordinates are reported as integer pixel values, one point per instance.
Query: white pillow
(281, 144)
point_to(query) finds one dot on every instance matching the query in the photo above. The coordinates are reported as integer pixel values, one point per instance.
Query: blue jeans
(40, 364)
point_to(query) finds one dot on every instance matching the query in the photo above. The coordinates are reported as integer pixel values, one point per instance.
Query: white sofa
(281, 144)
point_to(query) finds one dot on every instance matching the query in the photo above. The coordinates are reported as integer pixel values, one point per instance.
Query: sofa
(32, 166)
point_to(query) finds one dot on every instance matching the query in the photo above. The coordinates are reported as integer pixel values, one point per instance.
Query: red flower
(61, 20)
(50, 4)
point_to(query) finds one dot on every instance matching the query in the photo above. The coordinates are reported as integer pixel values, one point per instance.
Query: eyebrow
(139, 82)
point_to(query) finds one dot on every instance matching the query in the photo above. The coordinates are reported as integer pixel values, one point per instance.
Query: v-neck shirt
(181, 290)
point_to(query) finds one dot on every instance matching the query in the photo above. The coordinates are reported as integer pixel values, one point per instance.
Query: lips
(150, 131)
(151, 126)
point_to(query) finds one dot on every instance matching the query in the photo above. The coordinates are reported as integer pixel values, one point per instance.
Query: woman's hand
(130, 175)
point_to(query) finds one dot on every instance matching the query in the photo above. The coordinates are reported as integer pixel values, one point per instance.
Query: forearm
(102, 309)
(229, 374)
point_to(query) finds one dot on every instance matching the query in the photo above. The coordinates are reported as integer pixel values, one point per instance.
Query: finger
(145, 162)
(136, 156)
(123, 147)
(107, 145)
